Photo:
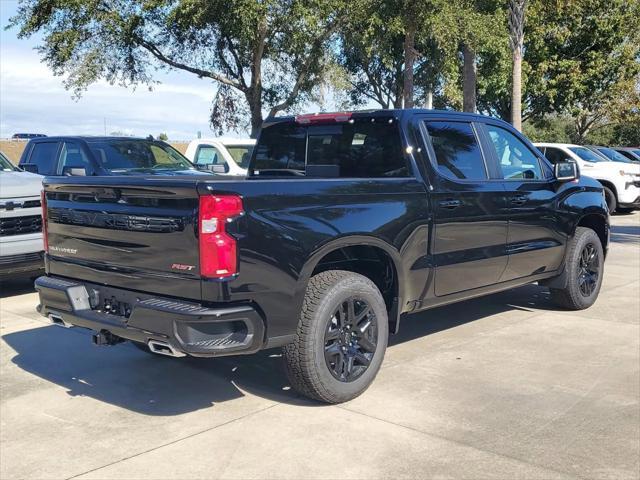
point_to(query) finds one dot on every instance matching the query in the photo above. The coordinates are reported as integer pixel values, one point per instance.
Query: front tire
(610, 198)
(584, 267)
(341, 337)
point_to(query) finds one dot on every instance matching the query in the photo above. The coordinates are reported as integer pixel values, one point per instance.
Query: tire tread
(298, 355)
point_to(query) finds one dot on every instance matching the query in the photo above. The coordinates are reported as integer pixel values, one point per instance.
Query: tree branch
(315, 50)
(236, 59)
(155, 51)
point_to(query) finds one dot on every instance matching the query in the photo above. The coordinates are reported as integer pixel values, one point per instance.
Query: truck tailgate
(141, 236)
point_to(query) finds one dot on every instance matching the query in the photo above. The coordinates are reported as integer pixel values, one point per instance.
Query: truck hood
(20, 184)
(610, 168)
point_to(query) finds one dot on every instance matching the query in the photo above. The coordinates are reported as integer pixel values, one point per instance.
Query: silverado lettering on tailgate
(115, 221)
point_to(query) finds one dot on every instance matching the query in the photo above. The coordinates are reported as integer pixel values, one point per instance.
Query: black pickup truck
(344, 223)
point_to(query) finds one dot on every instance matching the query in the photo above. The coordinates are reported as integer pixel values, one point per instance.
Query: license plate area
(113, 306)
(112, 301)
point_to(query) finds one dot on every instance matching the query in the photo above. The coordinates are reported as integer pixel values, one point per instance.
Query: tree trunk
(469, 77)
(429, 102)
(256, 118)
(516, 41)
(516, 90)
(254, 99)
(409, 60)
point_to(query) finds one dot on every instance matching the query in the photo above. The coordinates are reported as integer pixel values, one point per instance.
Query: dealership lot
(504, 386)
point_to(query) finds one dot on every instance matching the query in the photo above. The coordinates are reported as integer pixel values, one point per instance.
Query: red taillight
(43, 206)
(311, 118)
(218, 250)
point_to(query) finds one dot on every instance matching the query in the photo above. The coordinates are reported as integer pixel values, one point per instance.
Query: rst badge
(182, 267)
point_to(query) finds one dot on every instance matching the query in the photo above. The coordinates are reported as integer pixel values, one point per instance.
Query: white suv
(229, 156)
(621, 181)
(21, 245)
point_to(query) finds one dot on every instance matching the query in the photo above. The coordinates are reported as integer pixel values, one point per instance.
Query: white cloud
(32, 99)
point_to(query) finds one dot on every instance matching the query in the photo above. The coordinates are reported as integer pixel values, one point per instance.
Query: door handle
(521, 200)
(450, 204)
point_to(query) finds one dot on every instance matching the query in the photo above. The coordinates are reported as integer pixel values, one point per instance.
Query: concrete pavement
(505, 386)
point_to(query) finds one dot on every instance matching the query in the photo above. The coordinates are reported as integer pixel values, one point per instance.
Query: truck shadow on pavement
(12, 286)
(151, 384)
(625, 234)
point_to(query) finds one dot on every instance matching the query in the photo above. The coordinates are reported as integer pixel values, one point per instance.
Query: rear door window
(44, 155)
(457, 150)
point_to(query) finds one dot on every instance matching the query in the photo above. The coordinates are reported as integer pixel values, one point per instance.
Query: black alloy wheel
(350, 339)
(588, 270)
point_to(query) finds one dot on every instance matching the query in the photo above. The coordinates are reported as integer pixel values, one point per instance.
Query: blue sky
(33, 100)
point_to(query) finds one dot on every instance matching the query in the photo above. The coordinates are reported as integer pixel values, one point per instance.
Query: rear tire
(341, 337)
(610, 198)
(584, 270)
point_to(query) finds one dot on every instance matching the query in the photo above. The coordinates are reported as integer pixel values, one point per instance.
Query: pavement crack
(172, 442)
(462, 444)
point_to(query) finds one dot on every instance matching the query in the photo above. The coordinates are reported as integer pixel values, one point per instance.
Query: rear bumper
(188, 327)
(21, 263)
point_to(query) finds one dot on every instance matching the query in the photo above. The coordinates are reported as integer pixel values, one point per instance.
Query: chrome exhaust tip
(163, 348)
(57, 320)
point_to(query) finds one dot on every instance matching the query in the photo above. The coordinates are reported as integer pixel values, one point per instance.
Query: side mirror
(217, 168)
(30, 167)
(74, 171)
(566, 171)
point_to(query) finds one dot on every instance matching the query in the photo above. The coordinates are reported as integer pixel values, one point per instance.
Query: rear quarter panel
(290, 224)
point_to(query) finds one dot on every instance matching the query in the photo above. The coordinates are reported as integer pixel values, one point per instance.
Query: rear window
(366, 148)
(124, 156)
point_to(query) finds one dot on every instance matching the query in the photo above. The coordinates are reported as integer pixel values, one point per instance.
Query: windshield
(5, 164)
(241, 154)
(587, 155)
(136, 155)
(611, 154)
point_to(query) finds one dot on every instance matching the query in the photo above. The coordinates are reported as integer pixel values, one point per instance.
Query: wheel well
(598, 224)
(610, 186)
(371, 262)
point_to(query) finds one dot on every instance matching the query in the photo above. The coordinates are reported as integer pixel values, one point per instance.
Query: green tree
(398, 53)
(583, 60)
(577, 55)
(371, 54)
(263, 55)
(163, 137)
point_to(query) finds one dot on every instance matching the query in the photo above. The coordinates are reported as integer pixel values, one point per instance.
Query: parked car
(21, 136)
(21, 247)
(632, 153)
(222, 155)
(91, 156)
(345, 222)
(621, 182)
(609, 153)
